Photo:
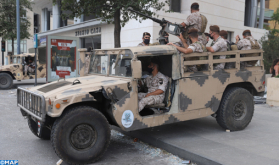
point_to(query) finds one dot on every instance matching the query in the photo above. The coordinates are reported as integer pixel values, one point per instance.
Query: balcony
(267, 13)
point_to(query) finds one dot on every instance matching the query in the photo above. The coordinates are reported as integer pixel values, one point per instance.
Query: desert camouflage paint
(17, 69)
(196, 95)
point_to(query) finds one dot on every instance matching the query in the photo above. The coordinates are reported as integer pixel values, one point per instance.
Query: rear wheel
(81, 135)
(236, 109)
(6, 81)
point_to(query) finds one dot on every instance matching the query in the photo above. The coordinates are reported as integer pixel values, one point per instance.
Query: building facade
(273, 5)
(231, 15)
(63, 37)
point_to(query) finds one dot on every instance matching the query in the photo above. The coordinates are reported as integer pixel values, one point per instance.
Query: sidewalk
(205, 142)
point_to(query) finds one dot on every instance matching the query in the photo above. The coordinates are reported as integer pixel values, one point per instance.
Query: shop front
(62, 48)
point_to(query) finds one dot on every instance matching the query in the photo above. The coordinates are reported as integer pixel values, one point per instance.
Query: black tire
(44, 132)
(236, 109)
(81, 135)
(6, 81)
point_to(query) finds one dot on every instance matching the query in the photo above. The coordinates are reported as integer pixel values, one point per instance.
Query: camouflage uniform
(245, 43)
(159, 81)
(29, 69)
(220, 45)
(194, 20)
(142, 44)
(197, 47)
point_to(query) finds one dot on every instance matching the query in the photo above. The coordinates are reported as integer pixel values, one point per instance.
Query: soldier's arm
(183, 40)
(162, 87)
(181, 49)
(190, 20)
(210, 49)
(157, 92)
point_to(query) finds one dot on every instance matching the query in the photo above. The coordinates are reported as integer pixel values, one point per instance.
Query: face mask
(146, 41)
(210, 36)
(150, 70)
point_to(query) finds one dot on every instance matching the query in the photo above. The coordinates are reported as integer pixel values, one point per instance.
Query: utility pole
(18, 26)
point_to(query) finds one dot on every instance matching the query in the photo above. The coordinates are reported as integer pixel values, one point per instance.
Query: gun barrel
(152, 18)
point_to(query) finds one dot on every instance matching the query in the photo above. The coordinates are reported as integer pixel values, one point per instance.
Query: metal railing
(32, 103)
(206, 58)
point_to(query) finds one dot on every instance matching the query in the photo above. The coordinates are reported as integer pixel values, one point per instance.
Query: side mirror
(136, 69)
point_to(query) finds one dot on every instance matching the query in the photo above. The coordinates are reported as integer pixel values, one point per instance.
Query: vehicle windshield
(16, 60)
(99, 64)
(120, 64)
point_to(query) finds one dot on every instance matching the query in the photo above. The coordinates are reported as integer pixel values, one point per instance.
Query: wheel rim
(239, 110)
(83, 137)
(3, 81)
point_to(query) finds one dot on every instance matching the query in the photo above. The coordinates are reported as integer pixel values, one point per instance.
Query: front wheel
(6, 81)
(81, 135)
(236, 109)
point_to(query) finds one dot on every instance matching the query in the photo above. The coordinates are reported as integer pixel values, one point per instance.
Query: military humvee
(76, 113)
(15, 70)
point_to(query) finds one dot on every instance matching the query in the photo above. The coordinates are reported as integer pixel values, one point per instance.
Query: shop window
(93, 42)
(175, 5)
(230, 36)
(23, 46)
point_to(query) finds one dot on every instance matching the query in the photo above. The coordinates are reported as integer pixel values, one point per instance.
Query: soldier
(224, 35)
(247, 43)
(156, 84)
(195, 47)
(30, 67)
(145, 39)
(196, 21)
(218, 44)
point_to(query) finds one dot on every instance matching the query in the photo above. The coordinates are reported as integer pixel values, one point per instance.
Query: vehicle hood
(79, 85)
(8, 67)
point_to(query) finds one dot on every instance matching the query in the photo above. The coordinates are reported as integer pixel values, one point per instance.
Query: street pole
(36, 60)
(2, 58)
(36, 66)
(18, 26)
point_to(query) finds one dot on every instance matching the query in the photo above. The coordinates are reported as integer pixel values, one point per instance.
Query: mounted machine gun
(167, 27)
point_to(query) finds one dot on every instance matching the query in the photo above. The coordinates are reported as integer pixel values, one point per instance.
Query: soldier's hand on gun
(183, 24)
(237, 38)
(170, 43)
(181, 37)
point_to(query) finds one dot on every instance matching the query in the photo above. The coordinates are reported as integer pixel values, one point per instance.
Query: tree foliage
(8, 26)
(270, 42)
(270, 46)
(275, 18)
(113, 11)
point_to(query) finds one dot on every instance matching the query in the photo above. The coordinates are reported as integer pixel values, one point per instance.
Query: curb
(182, 153)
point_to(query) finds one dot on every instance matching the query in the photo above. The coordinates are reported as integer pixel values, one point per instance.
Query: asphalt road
(18, 143)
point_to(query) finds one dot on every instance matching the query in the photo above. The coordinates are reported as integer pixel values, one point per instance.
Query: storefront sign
(63, 58)
(63, 71)
(95, 30)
